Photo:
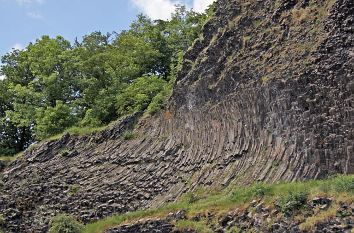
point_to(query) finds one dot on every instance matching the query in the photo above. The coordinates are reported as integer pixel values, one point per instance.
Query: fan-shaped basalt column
(263, 95)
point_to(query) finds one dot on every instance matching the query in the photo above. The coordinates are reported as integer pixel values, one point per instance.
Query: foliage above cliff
(53, 85)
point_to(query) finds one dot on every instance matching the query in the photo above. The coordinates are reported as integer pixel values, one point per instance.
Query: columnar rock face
(265, 94)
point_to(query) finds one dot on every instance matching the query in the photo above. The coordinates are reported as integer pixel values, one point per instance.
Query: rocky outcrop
(257, 217)
(265, 94)
(155, 226)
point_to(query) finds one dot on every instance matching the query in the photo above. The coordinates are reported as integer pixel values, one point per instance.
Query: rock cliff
(266, 93)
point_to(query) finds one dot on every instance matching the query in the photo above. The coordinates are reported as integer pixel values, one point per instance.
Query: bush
(343, 183)
(64, 152)
(156, 104)
(234, 230)
(139, 95)
(293, 201)
(160, 100)
(2, 220)
(73, 189)
(90, 119)
(128, 135)
(65, 224)
(54, 120)
(2, 184)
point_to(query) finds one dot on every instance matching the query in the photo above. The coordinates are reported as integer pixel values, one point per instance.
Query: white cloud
(162, 9)
(17, 46)
(27, 2)
(156, 9)
(201, 5)
(2, 77)
(34, 15)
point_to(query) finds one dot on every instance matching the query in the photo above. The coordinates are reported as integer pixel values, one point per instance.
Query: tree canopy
(53, 84)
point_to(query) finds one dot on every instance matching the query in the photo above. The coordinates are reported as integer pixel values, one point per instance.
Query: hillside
(265, 94)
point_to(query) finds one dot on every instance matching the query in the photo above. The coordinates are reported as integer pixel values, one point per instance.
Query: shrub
(2, 184)
(54, 120)
(234, 230)
(343, 183)
(2, 220)
(156, 104)
(139, 95)
(65, 224)
(293, 201)
(160, 100)
(128, 135)
(64, 152)
(73, 189)
(90, 119)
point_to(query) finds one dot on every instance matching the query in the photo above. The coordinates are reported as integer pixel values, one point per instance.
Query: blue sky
(26, 20)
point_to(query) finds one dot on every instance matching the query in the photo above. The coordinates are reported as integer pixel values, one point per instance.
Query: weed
(128, 135)
(293, 201)
(234, 230)
(65, 223)
(343, 183)
(309, 223)
(2, 220)
(73, 189)
(64, 152)
(200, 227)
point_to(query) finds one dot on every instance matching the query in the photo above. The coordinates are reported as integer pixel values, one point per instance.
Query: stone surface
(249, 220)
(152, 226)
(266, 94)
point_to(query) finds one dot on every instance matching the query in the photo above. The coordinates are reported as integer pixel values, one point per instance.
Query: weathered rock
(153, 226)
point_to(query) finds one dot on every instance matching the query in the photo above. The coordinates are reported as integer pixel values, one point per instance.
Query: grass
(9, 159)
(234, 230)
(128, 135)
(223, 201)
(74, 189)
(2, 221)
(310, 222)
(81, 131)
(77, 131)
(200, 227)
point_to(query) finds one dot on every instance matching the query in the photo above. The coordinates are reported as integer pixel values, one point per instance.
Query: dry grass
(200, 227)
(310, 223)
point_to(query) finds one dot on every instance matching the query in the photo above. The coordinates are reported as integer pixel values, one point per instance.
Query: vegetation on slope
(289, 198)
(53, 85)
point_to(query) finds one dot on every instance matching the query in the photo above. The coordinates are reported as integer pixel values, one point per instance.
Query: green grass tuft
(200, 227)
(128, 135)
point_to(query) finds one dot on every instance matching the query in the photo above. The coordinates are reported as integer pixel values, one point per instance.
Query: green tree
(139, 95)
(52, 85)
(53, 120)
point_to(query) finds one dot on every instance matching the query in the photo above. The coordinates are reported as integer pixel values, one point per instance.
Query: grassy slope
(8, 159)
(339, 187)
